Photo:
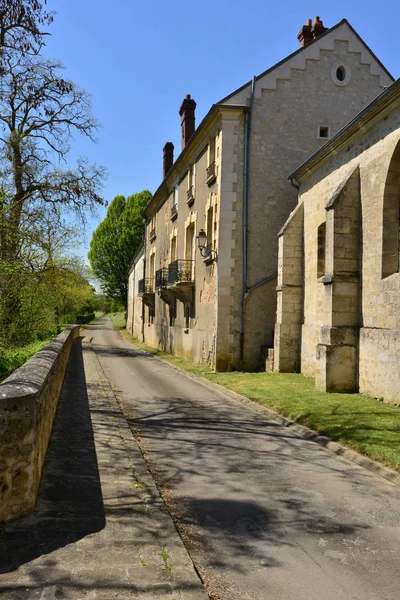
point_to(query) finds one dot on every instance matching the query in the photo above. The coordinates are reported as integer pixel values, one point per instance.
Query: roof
(179, 162)
(329, 30)
(360, 121)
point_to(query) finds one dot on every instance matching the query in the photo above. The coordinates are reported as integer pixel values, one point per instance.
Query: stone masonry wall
(373, 153)
(288, 110)
(28, 402)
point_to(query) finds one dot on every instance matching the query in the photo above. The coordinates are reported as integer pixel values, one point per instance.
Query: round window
(341, 74)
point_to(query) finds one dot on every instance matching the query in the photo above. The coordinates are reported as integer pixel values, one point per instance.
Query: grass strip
(358, 421)
(117, 318)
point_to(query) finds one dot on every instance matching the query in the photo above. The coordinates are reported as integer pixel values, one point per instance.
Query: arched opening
(391, 218)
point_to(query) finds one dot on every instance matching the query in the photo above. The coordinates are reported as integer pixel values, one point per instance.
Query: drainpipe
(245, 217)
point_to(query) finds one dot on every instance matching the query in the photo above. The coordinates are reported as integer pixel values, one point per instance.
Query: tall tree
(39, 113)
(22, 24)
(115, 242)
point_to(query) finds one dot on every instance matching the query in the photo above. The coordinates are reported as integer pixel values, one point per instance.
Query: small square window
(324, 132)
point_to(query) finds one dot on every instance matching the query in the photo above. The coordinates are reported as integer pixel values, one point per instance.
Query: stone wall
(350, 338)
(28, 402)
(285, 125)
(134, 319)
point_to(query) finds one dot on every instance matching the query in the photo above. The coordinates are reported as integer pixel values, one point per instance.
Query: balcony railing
(153, 235)
(211, 173)
(146, 286)
(161, 278)
(180, 271)
(190, 195)
(174, 211)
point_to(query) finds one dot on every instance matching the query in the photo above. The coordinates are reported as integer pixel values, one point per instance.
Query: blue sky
(139, 60)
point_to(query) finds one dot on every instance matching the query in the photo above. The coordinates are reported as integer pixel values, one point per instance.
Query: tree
(21, 23)
(115, 241)
(39, 113)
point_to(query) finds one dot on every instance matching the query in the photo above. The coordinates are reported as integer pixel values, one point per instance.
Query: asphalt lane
(264, 513)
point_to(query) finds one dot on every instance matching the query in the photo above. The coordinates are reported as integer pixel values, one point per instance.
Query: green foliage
(11, 359)
(118, 319)
(115, 242)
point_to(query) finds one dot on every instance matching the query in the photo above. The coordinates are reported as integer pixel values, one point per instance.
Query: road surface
(264, 513)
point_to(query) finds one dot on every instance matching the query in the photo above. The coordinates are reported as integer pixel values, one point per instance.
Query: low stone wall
(28, 402)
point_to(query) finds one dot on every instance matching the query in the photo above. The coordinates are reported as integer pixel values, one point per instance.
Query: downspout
(245, 217)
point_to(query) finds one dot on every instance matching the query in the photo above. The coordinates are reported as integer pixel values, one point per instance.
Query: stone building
(230, 184)
(134, 319)
(339, 281)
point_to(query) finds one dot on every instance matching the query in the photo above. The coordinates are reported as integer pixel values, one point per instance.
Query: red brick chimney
(186, 111)
(305, 35)
(318, 27)
(168, 158)
(309, 32)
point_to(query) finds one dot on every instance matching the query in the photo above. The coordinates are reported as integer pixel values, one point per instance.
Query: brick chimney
(186, 111)
(168, 158)
(318, 27)
(305, 35)
(309, 32)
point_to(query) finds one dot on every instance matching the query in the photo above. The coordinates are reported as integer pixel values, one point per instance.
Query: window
(341, 74)
(391, 218)
(191, 186)
(174, 206)
(324, 132)
(211, 169)
(152, 228)
(175, 196)
(173, 249)
(321, 250)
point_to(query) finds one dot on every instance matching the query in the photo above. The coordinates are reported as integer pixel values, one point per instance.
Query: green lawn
(11, 359)
(360, 422)
(118, 319)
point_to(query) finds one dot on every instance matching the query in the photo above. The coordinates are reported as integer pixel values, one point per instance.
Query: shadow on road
(70, 504)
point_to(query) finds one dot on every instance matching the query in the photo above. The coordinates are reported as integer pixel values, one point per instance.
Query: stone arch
(391, 217)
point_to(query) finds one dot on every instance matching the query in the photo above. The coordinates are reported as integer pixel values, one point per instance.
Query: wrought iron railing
(161, 278)
(146, 286)
(180, 271)
(210, 173)
(190, 195)
(174, 211)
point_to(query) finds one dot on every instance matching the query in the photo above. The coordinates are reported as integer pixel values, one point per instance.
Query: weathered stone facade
(254, 137)
(134, 317)
(345, 233)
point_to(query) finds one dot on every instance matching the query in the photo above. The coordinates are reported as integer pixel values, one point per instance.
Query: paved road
(264, 513)
(100, 530)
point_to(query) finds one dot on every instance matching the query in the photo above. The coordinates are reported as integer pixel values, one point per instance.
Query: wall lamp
(205, 251)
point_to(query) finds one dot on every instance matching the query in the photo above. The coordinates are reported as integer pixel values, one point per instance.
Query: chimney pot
(187, 113)
(305, 35)
(318, 28)
(168, 158)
